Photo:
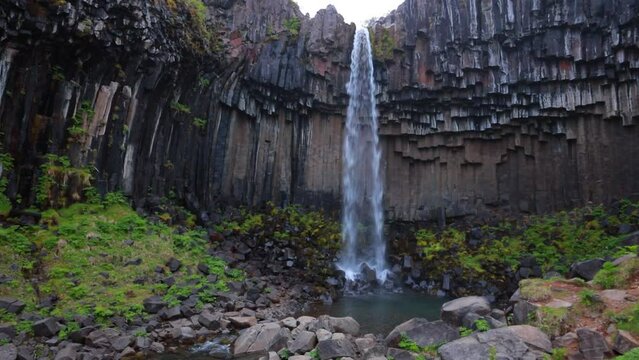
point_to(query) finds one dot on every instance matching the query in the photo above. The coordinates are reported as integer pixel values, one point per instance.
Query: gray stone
(243, 322)
(331, 349)
(171, 313)
(157, 347)
(289, 322)
(533, 337)
(8, 331)
(401, 354)
(69, 352)
(9, 352)
(505, 342)
(323, 334)
(586, 269)
(46, 327)
(11, 305)
(154, 304)
(261, 338)
(121, 342)
(592, 344)
(304, 341)
(174, 264)
(453, 312)
(423, 332)
(209, 320)
(624, 342)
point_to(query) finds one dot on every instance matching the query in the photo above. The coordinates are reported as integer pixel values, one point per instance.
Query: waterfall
(5, 64)
(362, 213)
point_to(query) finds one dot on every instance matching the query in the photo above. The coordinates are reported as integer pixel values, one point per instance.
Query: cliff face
(485, 105)
(511, 105)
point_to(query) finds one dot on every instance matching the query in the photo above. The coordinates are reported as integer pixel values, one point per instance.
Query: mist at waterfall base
(364, 247)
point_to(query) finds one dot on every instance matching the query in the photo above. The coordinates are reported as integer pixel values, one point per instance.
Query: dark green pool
(380, 313)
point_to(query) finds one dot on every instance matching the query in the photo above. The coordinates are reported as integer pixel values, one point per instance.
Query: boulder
(592, 345)
(173, 264)
(261, 338)
(243, 322)
(7, 331)
(346, 325)
(289, 322)
(505, 343)
(533, 337)
(11, 305)
(69, 352)
(153, 304)
(625, 342)
(586, 269)
(400, 354)
(8, 352)
(46, 327)
(121, 342)
(209, 320)
(339, 348)
(422, 332)
(323, 334)
(304, 341)
(453, 312)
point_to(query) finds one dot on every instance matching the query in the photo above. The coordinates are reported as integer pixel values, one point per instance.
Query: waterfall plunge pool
(380, 313)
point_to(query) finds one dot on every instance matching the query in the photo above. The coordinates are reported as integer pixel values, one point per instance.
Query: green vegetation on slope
(100, 258)
(555, 241)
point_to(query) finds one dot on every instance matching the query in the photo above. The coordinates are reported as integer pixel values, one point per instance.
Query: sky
(357, 11)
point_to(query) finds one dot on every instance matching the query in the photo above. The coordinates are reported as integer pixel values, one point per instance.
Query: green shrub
(630, 355)
(482, 325)
(293, 25)
(589, 298)
(464, 331)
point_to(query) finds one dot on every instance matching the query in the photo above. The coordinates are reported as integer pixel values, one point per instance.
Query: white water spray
(363, 218)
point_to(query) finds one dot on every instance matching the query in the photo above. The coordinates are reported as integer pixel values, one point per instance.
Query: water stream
(363, 219)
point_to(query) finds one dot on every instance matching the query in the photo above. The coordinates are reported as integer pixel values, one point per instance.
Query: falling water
(5, 64)
(362, 223)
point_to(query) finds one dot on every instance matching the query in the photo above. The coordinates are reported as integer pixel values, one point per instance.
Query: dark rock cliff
(486, 105)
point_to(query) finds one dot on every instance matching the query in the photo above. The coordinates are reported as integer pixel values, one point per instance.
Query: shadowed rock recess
(485, 105)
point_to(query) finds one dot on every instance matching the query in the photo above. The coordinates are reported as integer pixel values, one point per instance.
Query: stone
(261, 338)
(624, 342)
(8, 352)
(46, 327)
(332, 349)
(506, 343)
(303, 341)
(157, 347)
(143, 342)
(128, 352)
(171, 313)
(586, 269)
(522, 310)
(7, 331)
(453, 312)
(134, 262)
(69, 352)
(153, 304)
(533, 337)
(186, 333)
(592, 344)
(400, 354)
(243, 322)
(300, 357)
(623, 259)
(568, 340)
(323, 334)
(289, 322)
(364, 344)
(11, 305)
(209, 320)
(346, 325)
(422, 332)
(121, 342)
(613, 295)
(174, 264)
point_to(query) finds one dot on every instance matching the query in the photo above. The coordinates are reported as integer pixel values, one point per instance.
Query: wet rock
(339, 348)
(46, 327)
(592, 344)
(586, 269)
(624, 342)
(423, 332)
(453, 312)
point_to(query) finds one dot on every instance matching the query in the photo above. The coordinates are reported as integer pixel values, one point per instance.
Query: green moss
(382, 43)
(180, 108)
(552, 321)
(535, 290)
(630, 355)
(61, 184)
(85, 260)
(293, 25)
(482, 325)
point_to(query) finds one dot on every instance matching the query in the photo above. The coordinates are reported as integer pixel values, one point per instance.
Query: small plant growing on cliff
(199, 123)
(6, 162)
(180, 108)
(84, 113)
(293, 25)
(57, 73)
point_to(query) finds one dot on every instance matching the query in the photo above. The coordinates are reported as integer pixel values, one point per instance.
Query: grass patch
(535, 290)
(552, 321)
(87, 247)
(617, 277)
